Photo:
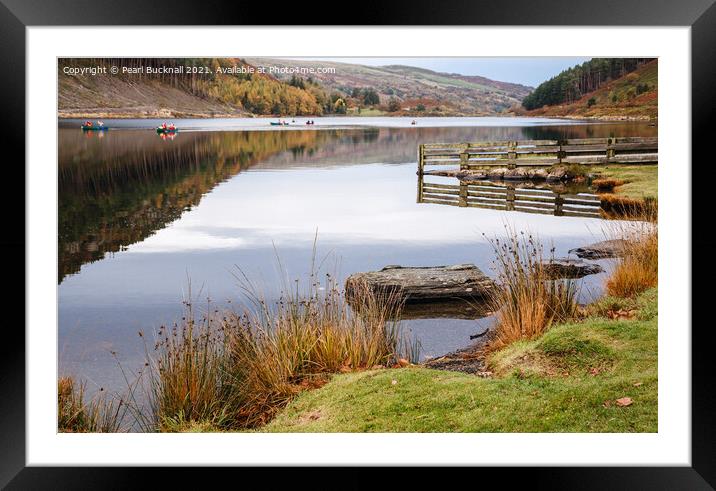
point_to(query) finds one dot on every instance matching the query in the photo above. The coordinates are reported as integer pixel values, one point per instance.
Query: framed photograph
(428, 239)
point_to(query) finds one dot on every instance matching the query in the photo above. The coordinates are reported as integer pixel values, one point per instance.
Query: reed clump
(606, 183)
(232, 370)
(637, 269)
(189, 378)
(101, 414)
(527, 301)
(621, 207)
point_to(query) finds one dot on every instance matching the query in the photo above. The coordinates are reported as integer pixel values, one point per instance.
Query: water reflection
(117, 188)
(526, 197)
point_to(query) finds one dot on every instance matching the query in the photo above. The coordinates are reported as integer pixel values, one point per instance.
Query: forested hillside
(573, 83)
(206, 87)
(622, 88)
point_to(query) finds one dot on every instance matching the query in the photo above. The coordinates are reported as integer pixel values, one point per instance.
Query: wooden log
(441, 186)
(440, 197)
(480, 204)
(436, 201)
(424, 284)
(430, 189)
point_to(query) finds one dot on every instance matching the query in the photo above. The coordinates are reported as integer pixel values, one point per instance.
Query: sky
(527, 71)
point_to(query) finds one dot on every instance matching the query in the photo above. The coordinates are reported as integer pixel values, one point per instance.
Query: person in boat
(164, 125)
(100, 124)
(414, 122)
(172, 127)
(88, 124)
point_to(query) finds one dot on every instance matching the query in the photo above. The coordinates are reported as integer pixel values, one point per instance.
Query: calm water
(139, 215)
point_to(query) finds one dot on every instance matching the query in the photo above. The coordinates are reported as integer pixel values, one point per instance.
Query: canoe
(94, 128)
(278, 124)
(167, 130)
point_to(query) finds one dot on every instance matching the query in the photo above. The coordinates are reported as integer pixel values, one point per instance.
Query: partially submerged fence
(508, 197)
(518, 153)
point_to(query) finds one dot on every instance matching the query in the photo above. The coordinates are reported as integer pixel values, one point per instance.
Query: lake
(141, 216)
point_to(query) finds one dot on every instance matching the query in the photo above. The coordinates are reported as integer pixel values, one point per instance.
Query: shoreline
(61, 115)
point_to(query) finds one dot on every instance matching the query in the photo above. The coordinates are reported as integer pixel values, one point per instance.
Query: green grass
(641, 181)
(565, 381)
(367, 112)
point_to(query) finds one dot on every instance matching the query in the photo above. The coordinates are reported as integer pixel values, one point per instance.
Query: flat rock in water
(569, 268)
(424, 284)
(600, 250)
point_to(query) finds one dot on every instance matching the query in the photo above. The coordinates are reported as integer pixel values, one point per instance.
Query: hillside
(134, 92)
(412, 90)
(632, 96)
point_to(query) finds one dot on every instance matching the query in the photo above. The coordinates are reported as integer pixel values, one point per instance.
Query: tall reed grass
(234, 370)
(101, 414)
(637, 269)
(527, 301)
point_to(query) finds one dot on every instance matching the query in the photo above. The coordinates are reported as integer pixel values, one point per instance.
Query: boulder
(557, 174)
(475, 175)
(539, 174)
(518, 174)
(497, 173)
(424, 284)
(599, 250)
(569, 268)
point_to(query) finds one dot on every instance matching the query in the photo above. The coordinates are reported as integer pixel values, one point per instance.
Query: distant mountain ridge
(412, 87)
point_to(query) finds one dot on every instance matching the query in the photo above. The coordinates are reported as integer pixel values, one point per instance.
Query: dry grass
(528, 302)
(281, 350)
(189, 379)
(606, 184)
(620, 207)
(232, 370)
(637, 270)
(75, 415)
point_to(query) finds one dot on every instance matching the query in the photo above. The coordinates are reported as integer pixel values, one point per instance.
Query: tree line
(571, 84)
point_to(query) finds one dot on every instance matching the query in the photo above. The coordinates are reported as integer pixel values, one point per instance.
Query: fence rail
(508, 198)
(519, 153)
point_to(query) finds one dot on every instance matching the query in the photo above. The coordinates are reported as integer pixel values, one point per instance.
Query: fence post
(561, 154)
(463, 157)
(558, 202)
(610, 149)
(462, 201)
(512, 154)
(420, 188)
(510, 198)
(421, 159)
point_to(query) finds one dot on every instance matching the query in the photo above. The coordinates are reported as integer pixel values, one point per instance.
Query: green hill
(631, 96)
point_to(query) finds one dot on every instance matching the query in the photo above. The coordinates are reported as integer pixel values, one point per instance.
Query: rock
(474, 175)
(497, 173)
(557, 174)
(599, 250)
(518, 174)
(569, 268)
(424, 284)
(457, 308)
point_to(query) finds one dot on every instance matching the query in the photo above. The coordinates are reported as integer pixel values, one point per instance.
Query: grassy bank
(310, 363)
(639, 181)
(569, 380)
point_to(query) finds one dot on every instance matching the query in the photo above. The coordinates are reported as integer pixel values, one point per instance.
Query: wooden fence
(511, 154)
(480, 194)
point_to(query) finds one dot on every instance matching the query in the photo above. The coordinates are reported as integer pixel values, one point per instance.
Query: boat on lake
(161, 130)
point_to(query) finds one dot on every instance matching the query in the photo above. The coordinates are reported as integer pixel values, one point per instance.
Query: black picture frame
(700, 15)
